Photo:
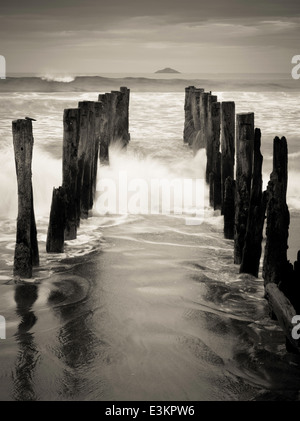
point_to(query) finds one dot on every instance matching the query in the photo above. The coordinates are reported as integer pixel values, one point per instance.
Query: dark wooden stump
(213, 137)
(244, 162)
(86, 155)
(71, 121)
(105, 99)
(26, 250)
(56, 228)
(276, 266)
(229, 208)
(256, 215)
(204, 112)
(227, 142)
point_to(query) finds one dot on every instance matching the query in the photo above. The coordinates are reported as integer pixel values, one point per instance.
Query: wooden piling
(229, 208)
(217, 182)
(244, 162)
(211, 183)
(275, 265)
(204, 113)
(118, 124)
(105, 99)
(189, 126)
(213, 135)
(26, 249)
(227, 142)
(256, 215)
(88, 132)
(195, 139)
(99, 116)
(85, 154)
(71, 123)
(125, 119)
(56, 227)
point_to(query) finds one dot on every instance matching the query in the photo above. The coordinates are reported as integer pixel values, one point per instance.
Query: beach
(141, 306)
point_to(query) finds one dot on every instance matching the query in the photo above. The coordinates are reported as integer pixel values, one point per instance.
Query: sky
(138, 36)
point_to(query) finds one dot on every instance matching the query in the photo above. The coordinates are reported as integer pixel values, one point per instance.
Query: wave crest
(58, 78)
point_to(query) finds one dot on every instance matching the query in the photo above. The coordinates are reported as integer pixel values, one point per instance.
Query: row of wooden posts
(234, 174)
(230, 141)
(88, 132)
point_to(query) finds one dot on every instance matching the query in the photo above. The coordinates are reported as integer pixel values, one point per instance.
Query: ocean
(140, 306)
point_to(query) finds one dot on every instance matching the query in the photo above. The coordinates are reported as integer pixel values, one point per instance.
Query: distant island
(167, 70)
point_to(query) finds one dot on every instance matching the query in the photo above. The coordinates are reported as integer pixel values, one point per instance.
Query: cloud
(130, 30)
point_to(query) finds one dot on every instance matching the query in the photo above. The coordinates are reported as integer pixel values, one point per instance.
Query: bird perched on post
(31, 119)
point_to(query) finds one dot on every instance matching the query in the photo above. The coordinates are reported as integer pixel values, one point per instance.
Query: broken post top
(23, 137)
(228, 103)
(22, 123)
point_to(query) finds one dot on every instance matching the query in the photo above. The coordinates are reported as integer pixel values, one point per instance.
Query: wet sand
(159, 314)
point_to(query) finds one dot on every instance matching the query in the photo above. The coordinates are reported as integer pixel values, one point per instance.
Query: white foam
(46, 172)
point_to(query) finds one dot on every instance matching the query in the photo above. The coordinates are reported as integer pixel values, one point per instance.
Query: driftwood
(283, 310)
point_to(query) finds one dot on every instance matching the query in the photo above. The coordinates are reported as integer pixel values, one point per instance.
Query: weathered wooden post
(213, 135)
(189, 128)
(26, 250)
(211, 183)
(244, 162)
(227, 142)
(213, 164)
(114, 117)
(203, 119)
(56, 227)
(256, 215)
(119, 118)
(125, 119)
(99, 117)
(86, 154)
(105, 99)
(229, 208)
(217, 182)
(71, 122)
(195, 139)
(276, 266)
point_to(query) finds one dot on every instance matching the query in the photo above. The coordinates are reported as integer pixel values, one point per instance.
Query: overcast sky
(192, 36)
